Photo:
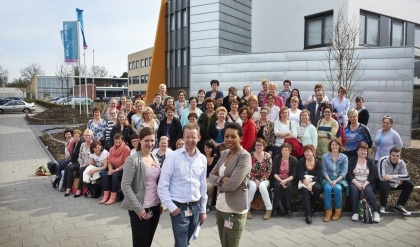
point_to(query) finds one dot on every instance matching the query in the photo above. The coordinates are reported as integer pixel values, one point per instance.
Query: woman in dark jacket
(283, 173)
(170, 127)
(74, 155)
(361, 176)
(122, 126)
(309, 174)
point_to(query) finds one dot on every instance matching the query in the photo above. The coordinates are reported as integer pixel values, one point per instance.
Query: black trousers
(285, 195)
(81, 170)
(309, 198)
(68, 180)
(144, 230)
(406, 188)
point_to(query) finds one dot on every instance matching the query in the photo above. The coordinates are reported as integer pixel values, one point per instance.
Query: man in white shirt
(183, 187)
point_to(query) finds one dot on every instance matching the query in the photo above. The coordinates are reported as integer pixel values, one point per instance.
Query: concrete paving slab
(32, 213)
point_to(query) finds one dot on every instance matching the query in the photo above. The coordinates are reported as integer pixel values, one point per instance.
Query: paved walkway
(32, 213)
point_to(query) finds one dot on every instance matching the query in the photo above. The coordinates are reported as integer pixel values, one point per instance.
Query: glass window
(318, 30)
(369, 29)
(184, 17)
(129, 66)
(150, 61)
(137, 64)
(146, 62)
(417, 37)
(129, 80)
(172, 22)
(141, 63)
(397, 33)
(184, 57)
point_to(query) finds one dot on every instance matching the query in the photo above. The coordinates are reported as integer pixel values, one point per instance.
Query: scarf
(118, 155)
(302, 130)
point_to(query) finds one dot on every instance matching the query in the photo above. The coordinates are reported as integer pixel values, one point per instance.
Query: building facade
(241, 42)
(138, 71)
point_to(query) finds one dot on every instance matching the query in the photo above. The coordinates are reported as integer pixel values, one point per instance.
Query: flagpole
(93, 79)
(86, 91)
(80, 77)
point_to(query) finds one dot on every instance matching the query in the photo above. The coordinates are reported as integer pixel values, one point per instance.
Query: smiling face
(353, 118)
(232, 139)
(121, 118)
(118, 142)
(98, 150)
(76, 137)
(295, 93)
(191, 138)
(181, 96)
(247, 91)
(158, 99)
(147, 143)
(252, 103)
(193, 103)
(335, 147)
(67, 136)
(304, 117)
(112, 103)
(207, 150)
(214, 87)
(327, 113)
(96, 114)
(162, 89)
(169, 114)
(234, 106)
(221, 115)
(201, 95)
(123, 99)
(210, 106)
(88, 136)
(362, 152)
(163, 144)
(244, 115)
(285, 152)
(264, 114)
(286, 86)
(308, 154)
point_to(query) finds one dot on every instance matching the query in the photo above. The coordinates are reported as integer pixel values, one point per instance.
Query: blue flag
(80, 19)
(69, 36)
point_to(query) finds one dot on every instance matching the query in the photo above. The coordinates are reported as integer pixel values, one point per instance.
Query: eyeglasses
(113, 113)
(259, 145)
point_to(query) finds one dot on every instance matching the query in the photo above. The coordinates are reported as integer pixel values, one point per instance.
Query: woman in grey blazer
(139, 185)
(231, 175)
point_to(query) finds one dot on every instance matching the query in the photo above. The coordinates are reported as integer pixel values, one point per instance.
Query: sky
(30, 32)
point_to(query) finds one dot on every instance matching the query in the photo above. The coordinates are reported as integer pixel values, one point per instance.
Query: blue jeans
(276, 151)
(337, 196)
(355, 197)
(111, 183)
(184, 227)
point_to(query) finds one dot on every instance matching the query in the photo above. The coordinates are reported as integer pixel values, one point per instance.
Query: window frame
(315, 17)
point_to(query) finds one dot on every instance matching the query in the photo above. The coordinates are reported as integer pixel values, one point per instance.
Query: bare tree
(77, 71)
(342, 58)
(64, 74)
(3, 76)
(23, 85)
(98, 71)
(29, 72)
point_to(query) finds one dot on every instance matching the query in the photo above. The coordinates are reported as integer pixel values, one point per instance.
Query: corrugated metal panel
(386, 78)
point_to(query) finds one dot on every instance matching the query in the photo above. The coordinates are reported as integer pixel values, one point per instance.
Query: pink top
(284, 170)
(151, 197)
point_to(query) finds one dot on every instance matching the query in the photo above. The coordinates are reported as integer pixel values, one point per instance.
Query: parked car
(4, 101)
(14, 98)
(17, 106)
(78, 101)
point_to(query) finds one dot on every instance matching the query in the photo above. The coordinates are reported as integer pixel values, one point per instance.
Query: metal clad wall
(386, 78)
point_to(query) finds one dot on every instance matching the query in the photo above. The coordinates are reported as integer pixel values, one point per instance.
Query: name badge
(188, 213)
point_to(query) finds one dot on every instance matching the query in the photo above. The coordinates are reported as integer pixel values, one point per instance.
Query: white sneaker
(355, 217)
(382, 210)
(376, 217)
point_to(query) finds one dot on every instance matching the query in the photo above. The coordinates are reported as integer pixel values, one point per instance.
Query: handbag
(365, 210)
(297, 148)
(257, 203)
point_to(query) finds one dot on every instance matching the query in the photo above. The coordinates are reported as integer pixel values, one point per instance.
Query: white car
(17, 106)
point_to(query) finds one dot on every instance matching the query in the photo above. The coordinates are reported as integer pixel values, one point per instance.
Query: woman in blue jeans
(361, 177)
(334, 171)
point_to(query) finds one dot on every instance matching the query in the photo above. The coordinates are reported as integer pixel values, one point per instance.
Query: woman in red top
(283, 173)
(249, 127)
(117, 156)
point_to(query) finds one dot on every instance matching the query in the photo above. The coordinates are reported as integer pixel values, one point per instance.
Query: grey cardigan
(133, 183)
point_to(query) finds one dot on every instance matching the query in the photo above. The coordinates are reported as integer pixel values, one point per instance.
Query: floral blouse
(261, 170)
(84, 155)
(98, 129)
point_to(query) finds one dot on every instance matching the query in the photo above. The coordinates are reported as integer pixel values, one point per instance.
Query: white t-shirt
(99, 160)
(295, 117)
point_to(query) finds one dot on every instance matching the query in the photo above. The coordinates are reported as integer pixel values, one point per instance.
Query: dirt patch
(59, 115)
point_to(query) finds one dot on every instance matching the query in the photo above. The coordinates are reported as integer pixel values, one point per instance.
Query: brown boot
(267, 215)
(328, 214)
(249, 215)
(112, 198)
(337, 214)
(105, 198)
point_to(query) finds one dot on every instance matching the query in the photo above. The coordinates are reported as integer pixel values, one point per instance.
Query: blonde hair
(221, 108)
(273, 86)
(265, 81)
(146, 110)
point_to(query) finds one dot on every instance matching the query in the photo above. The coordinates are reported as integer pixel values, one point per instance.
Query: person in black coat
(214, 93)
(74, 156)
(232, 94)
(170, 127)
(315, 109)
(363, 116)
(309, 175)
(122, 126)
(283, 173)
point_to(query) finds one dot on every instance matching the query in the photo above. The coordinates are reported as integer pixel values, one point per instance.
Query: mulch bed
(58, 115)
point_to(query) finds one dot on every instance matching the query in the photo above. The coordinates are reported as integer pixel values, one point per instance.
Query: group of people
(187, 155)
